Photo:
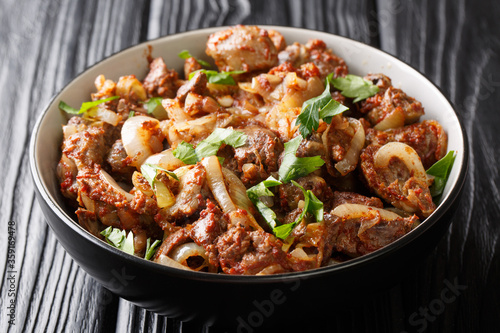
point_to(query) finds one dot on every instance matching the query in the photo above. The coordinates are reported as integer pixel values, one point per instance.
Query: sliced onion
(353, 211)
(108, 116)
(226, 100)
(350, 160)
(396, 119)
(185, 251)
(293, 81)
(165, 159)
(174, 110)
(296, 98)
(164, 196)
(271, 269)
(128, 86)
(247, 86)
(405, 154)
(139, 138)
(215, 181)
(237, 191)
(180, 172)
(141, 184)
(167, 261)
(111, 182)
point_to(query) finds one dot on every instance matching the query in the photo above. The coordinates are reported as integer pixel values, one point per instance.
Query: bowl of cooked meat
(234, 173)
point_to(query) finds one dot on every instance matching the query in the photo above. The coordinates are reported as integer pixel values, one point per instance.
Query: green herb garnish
(208, 147)
(85, 106)
(218, 77)
(262, 190)
(119, 239)
(312, 205)
(322, 106)
(184, 54)
(354, 86)
(149, 171)
(293, 167)
(151, 248)
(441, 171)
(186, 153)
(152, 103)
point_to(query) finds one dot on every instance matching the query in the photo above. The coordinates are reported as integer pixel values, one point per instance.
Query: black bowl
(241, 302)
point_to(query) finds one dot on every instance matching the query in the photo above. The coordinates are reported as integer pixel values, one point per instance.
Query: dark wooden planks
(456, 44)
(45, 44)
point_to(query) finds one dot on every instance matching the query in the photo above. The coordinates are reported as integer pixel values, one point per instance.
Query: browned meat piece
(314, 51)
(66, 173)
(359, 236)
(95, 184)
(344, 138)
(340, 198)
(249, 252)
(190, 66)
(175, 239)
(397, 184)
(197, 85)
(212, 224)
(119, 162)
(88, 220)
(258, 157)
(160, 80)
(382, 81)
(312, 146)
(193, 192)
(314, 243)
(290, 195)
(86, 148)
(428, 138)
(391, 108)
(247, 48)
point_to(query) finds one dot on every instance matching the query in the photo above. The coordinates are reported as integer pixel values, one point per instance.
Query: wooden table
(456, 43)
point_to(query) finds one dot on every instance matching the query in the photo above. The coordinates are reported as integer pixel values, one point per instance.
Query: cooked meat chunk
(391, 108)
(95, 184)
(258, 157)
(344, 138)
(88, 220)
(193, 192)
(197, 85)
(290, 195)
(173, 240)
(314, 51)
(247, 48)
(312, 146)
(382, 81)
(66, 173)
(160, 80)
(119, 163)
(428, 138)
(249, 252)
(190, 65)
(359, 236)
(212, 224)
(314, 244)
(86, 148)
(340, 198)
(396, 184)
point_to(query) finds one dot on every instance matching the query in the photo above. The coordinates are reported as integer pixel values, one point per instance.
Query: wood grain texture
(454, 43)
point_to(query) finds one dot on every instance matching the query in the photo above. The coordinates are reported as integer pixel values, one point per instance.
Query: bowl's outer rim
(406, 240)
